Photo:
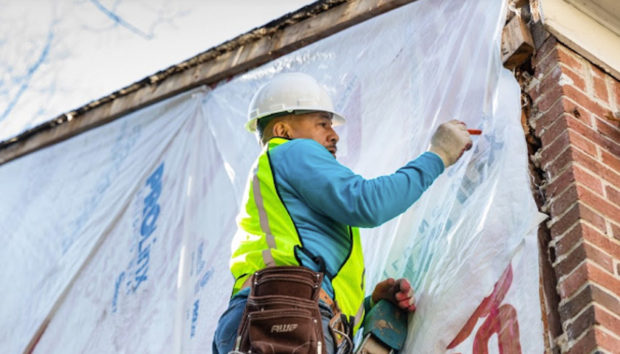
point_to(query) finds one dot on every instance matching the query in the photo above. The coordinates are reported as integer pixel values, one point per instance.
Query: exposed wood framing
(282, 36)
(517, 43)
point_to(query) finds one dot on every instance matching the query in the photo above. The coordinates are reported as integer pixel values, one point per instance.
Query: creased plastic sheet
(118, 239)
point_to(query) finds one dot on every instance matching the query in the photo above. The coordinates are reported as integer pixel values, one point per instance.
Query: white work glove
(450, 141)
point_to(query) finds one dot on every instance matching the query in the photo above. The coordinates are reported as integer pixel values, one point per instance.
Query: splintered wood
(517, 43)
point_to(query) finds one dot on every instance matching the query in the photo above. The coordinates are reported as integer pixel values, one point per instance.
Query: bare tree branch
(29, 74)
(119, 20)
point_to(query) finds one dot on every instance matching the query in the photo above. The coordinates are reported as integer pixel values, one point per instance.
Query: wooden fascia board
(245, 56)
(583, 34)
(606, 12)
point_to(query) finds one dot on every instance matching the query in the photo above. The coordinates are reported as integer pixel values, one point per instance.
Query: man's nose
(333, 136)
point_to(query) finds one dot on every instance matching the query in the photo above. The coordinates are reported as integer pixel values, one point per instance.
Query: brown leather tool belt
(282, 313)
(322, 295)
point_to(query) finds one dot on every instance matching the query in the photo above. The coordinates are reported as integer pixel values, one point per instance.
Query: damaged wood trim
(517, 43)
(239, 55)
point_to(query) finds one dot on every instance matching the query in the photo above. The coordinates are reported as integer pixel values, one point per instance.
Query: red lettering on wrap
(500, 320)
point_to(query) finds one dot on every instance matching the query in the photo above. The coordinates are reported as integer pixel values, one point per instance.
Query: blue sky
(57, 55)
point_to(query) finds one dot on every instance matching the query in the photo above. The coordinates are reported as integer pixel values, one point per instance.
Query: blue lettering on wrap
(194, 318)
(150, 213)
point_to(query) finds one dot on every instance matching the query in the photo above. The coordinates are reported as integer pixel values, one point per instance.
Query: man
(302, 207)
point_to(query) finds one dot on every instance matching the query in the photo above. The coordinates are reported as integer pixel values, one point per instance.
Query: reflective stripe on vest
(267, 236)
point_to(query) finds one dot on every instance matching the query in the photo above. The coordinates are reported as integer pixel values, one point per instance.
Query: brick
(601, 241)
(559, 225)
(609, 131)
(586, 130)
(597, 203)
(571, 261)
(606, 341)
(596, 71)
(613, 147)
(600, 89)
(593, 341)
(594, 136)
(596, 167)
(579, 325)
(572, 307)
(615, 231)
(617, 91)
(545, 100)
(599, 85)
(613, 195)
(556, 167)
(611, 88)
(563, 106)
(604, 299)
(585, 344)
(606, 319)
(577, 80)
(547, 47)
(579, 254)
(564, 201)
(603, 279)
(576, 213)
(568, 241)
(576, 111)
(584, 101)
(570, 58)
(546, 57)
(582, 143)
(568, 286)
(545, 83)
(587, 272)
(592, 181)
(559, 184)
(551, 133)
(594, 219)
(611, 160)
(561, 142)
(544, 120)
(599, 257)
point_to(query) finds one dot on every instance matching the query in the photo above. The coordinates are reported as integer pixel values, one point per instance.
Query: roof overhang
(589, 27)
(254, 48)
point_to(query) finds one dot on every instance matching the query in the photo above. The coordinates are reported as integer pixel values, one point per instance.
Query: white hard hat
(287, 93)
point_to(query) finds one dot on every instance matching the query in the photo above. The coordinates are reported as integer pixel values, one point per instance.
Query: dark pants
(226, 331)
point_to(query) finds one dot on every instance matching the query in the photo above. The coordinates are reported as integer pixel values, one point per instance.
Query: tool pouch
(282, 312)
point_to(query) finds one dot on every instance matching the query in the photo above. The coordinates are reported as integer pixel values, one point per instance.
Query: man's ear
(282, 129)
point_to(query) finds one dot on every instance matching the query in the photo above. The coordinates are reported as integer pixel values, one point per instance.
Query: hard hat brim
(337, 119)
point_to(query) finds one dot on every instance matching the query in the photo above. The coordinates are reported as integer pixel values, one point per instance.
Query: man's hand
(398, 292)
(450, 141)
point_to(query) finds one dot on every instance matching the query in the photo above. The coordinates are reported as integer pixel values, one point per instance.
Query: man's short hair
(262, 123)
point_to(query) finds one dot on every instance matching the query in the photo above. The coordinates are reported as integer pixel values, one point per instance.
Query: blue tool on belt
(385, 329)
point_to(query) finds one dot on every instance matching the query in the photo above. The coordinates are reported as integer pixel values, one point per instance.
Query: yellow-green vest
(267, 237)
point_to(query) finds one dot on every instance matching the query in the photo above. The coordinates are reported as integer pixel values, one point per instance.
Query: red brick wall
(579, 156)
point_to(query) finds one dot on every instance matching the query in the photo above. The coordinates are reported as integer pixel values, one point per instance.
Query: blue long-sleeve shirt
(323, 197)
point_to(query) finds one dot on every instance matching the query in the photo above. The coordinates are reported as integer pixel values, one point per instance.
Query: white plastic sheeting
(118, 239)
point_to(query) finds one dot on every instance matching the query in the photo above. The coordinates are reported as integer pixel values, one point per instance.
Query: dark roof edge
(244, 52)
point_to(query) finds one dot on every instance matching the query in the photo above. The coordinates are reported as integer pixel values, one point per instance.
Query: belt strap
(328, 301)
(322, 296)
(247, 283)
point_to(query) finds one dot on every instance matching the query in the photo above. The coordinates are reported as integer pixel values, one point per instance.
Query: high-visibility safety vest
(267, 237)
